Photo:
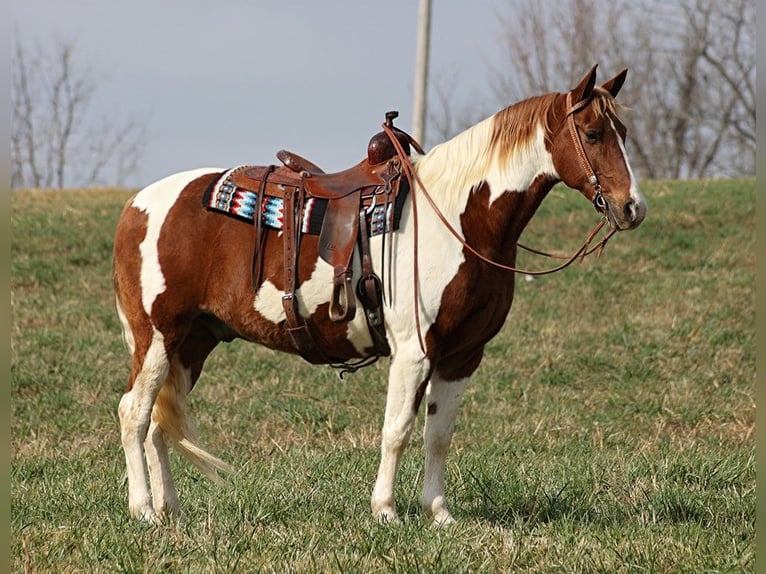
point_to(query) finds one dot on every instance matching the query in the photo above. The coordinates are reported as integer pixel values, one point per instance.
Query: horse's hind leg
(164, 494)
(150, 368)
(170, 420)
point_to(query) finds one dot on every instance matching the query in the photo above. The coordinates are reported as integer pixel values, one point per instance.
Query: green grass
(609, 429)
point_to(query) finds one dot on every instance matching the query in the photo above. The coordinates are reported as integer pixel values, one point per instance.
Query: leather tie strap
(295, 325)
(257, 266)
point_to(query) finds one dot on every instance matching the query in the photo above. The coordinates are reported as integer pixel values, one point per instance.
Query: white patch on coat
(449, 177)
(313, 292)
(449, 172)
(529, 161)
(156, 200)
(127, 333)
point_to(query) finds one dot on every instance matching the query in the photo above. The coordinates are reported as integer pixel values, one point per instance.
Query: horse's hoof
(170, 516)
(147, 515)
(387, 516)
(442, 519)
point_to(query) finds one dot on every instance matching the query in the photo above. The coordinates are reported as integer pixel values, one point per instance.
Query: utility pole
(421, 72)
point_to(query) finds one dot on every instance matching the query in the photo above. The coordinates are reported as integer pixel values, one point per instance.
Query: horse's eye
(593, 137)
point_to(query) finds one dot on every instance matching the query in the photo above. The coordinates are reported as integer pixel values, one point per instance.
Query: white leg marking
(405, 375)
(165, 496)
(135, 413)
(156, 201)
(442, 404)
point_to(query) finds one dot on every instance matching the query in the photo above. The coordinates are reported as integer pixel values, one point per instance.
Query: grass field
(609, 429)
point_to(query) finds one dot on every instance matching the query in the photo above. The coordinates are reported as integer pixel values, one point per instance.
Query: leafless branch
(691, 90)
(56, 138)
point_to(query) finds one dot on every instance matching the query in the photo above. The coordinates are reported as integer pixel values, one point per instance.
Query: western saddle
(350, 194)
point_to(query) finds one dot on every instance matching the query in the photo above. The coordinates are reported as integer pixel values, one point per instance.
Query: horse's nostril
(629, 210)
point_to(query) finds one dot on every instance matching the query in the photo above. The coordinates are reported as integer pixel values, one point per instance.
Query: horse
(184, 282)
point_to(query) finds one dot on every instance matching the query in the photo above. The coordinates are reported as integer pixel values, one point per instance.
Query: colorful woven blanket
(240, 203)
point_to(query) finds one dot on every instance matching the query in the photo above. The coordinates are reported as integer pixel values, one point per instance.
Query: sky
(224, 83)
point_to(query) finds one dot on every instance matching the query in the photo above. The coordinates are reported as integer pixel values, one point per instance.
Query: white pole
(421, 72)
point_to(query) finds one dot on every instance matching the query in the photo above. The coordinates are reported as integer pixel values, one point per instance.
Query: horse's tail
(171, 414)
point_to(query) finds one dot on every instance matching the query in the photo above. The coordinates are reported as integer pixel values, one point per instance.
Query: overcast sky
(226, 82)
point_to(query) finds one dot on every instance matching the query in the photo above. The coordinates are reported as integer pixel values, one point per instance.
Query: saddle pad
(225, 197)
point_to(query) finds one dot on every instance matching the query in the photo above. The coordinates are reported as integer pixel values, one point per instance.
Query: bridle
(595, 196)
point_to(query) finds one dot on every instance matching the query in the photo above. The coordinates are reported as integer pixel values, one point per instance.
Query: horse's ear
(585, 87)
(613, 86)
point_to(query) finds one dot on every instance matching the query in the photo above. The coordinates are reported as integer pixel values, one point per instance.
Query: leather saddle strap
(295, 325)
(336, 246)
(369, 290)
(257, 267)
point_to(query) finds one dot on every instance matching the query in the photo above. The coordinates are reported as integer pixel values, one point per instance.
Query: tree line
(691, 89)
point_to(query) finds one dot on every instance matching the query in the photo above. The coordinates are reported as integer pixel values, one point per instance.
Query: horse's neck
(467, 181)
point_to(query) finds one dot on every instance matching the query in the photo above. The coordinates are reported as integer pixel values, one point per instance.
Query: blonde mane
(481, 152)
(485, 150)
(515, 126)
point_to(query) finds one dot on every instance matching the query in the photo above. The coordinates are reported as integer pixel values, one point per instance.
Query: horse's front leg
(442, 405)
(406, 376)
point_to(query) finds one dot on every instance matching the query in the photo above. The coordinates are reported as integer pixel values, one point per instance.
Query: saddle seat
(337, 185)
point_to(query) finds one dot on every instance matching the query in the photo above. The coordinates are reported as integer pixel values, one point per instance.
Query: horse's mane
(515, 126)
(486, 148)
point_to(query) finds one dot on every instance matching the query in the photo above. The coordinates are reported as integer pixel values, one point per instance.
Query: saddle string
(390, 244)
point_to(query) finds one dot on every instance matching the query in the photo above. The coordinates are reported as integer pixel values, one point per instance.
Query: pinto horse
(182, 276)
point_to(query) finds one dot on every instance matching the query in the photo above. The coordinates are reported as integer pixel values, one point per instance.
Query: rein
(596, 198)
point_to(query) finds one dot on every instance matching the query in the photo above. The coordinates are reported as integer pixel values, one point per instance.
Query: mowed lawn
(609, 429)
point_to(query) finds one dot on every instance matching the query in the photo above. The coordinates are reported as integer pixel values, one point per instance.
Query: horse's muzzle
(629, 215)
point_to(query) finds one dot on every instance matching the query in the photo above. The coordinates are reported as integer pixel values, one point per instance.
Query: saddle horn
(381, 149)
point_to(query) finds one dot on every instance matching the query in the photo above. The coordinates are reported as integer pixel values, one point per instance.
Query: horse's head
(588, 147)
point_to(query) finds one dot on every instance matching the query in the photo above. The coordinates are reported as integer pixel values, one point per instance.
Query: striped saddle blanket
(225, 197)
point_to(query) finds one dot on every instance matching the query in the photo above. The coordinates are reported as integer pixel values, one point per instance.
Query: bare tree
(444, 119)
(56, 138)
(694, 106)
(691, 92)
(551, 44)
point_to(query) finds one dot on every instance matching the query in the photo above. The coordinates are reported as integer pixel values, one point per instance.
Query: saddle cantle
(350, 196)
(297, 163)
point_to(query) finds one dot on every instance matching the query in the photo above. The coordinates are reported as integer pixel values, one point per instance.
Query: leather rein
(596, 197)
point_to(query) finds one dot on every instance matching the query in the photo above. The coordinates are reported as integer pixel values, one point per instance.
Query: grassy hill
(609, 429)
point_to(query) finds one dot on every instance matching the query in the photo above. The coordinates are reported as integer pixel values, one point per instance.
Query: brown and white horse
(182, 276)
